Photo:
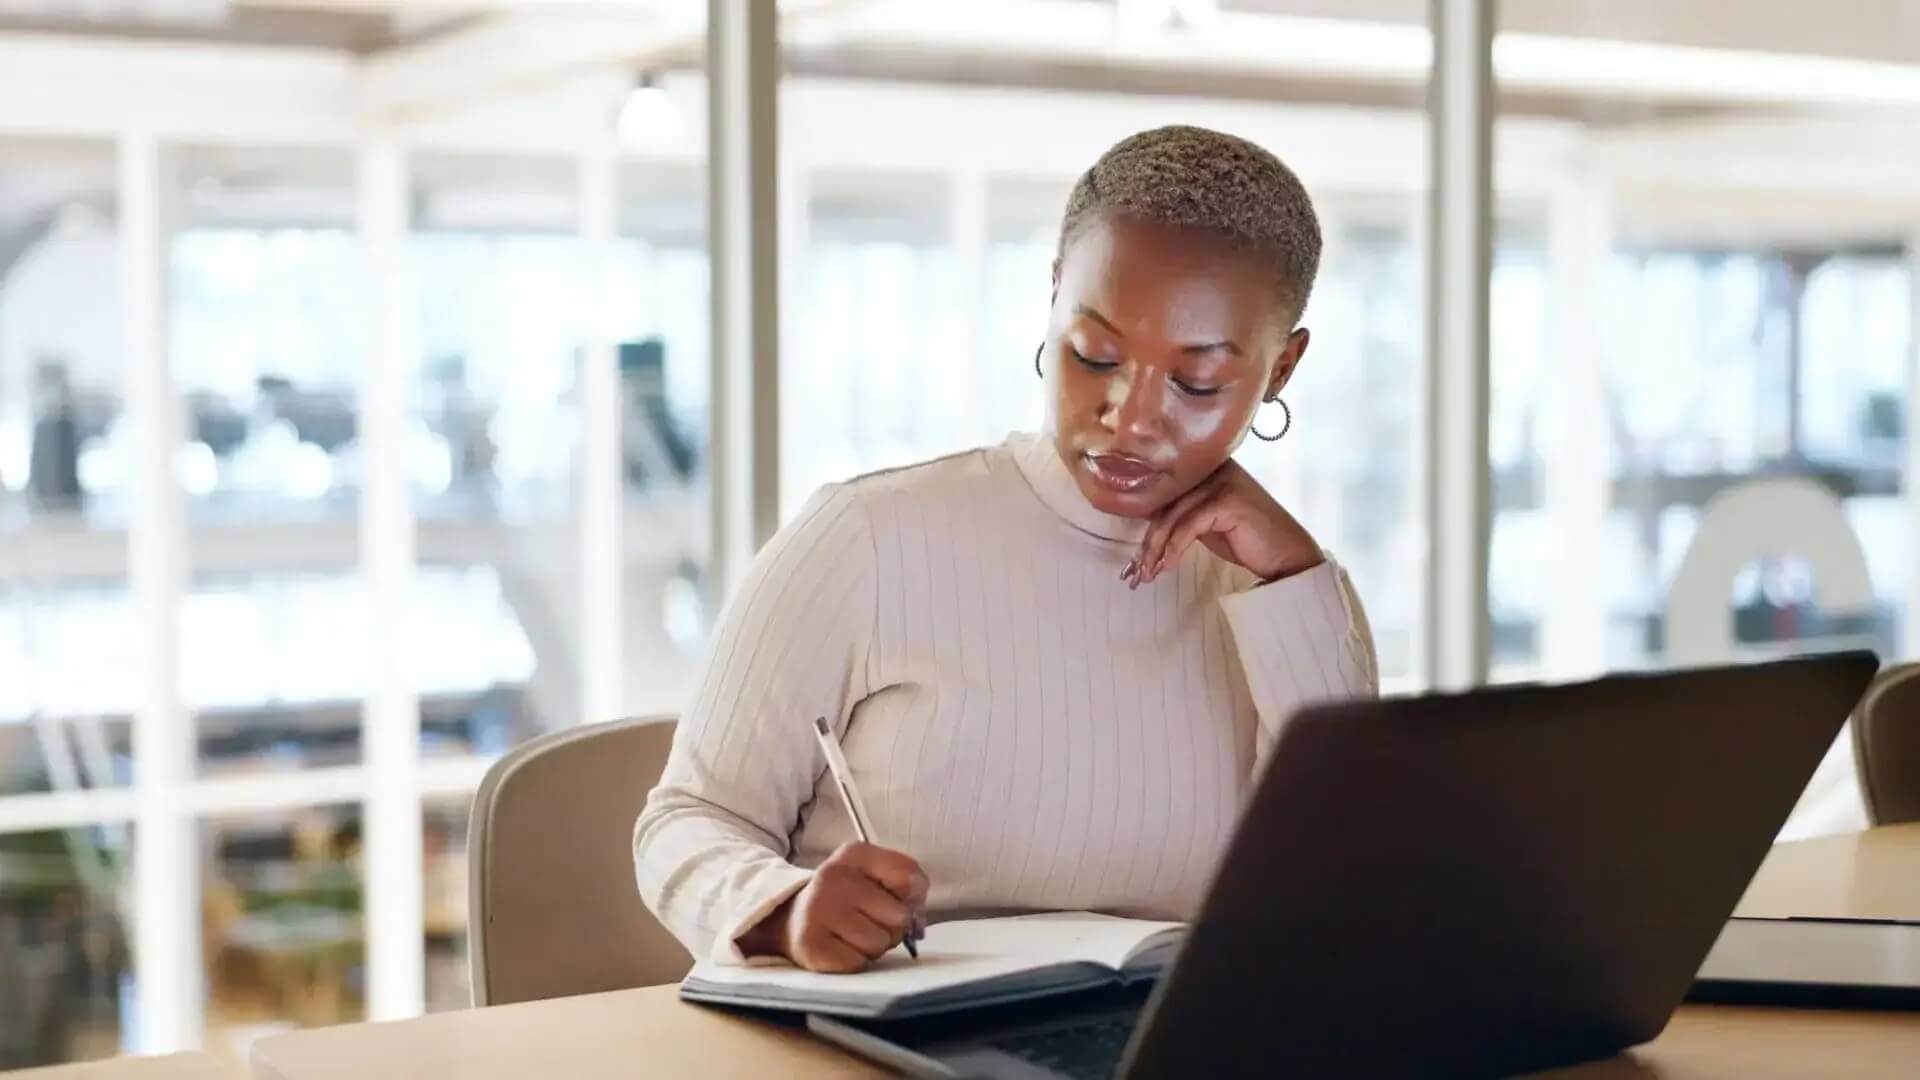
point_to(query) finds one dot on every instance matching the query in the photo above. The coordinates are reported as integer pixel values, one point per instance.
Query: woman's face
(1164, 341)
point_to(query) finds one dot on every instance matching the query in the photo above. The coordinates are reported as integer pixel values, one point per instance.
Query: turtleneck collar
(1040, 463)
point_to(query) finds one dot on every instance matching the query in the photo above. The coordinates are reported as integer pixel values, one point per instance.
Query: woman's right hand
(861, 903)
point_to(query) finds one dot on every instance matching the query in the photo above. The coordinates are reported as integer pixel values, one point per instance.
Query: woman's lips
(1121, 472)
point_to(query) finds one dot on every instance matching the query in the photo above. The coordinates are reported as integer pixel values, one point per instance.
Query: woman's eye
(1197, 391)
(1092, 364)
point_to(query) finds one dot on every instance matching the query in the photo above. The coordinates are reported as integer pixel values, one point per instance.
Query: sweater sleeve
(710, 848)
(1301, 640)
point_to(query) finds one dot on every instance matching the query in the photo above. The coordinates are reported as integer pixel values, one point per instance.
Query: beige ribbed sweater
(1036, 734)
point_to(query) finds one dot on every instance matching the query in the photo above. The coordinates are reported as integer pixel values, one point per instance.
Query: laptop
(1474, 884)
(1812, 962)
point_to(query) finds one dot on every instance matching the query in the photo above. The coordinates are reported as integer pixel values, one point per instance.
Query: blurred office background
(355, 395)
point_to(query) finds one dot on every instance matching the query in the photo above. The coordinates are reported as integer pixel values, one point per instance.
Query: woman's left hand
(1237, 520)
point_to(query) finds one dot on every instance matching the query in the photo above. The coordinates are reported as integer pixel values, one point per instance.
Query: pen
(856, 809)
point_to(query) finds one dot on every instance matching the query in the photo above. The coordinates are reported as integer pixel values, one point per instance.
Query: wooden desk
(649, 1032)
(624, 1034)
(167, 1067)
(1869, 875)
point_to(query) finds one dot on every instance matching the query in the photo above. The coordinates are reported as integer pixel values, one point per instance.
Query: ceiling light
(1163, 16)
(649, 116)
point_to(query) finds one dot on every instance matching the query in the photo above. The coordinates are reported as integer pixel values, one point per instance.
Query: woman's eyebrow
(1228, 346)
(1190, 350)
(1082, 309)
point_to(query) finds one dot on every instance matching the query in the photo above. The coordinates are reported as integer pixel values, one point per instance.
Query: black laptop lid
(1495, 881)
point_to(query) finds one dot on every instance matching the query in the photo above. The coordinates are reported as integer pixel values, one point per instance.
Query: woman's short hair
(1201, 179)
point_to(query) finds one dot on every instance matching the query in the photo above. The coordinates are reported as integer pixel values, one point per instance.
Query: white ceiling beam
(62, 86)
(443, 7)
(1070, 31)
(535, 45)
(512, 54)
(1346, 49)
(1857, 152)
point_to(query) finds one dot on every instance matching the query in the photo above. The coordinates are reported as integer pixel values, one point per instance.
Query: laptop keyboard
(1091, 1049)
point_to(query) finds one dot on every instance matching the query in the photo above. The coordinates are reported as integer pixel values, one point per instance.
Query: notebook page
(893, 976)
(966, 951)
(1059, 936)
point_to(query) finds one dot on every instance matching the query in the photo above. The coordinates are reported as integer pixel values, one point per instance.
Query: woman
(1054, 664)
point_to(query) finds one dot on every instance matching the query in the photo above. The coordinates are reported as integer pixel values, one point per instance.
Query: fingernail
(1127, 571)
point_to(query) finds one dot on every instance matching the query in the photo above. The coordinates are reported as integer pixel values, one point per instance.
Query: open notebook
(962, 964)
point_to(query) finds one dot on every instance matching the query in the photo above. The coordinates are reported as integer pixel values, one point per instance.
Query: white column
(743, 236)
(796, 195)
(959, 407)
(1458, 488)
(602, 454)
(166, 875)
(1910, 634)
(1419, 672)
(390, 739)
(1578, 426)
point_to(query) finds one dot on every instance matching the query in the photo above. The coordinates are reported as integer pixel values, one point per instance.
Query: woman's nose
(1137, 402)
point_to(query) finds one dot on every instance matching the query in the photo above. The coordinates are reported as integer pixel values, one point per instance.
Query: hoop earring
(1037, 350)
(1284, 428)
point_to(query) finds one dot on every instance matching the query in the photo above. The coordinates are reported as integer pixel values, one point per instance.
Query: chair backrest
(553, 906)
(1886, 746)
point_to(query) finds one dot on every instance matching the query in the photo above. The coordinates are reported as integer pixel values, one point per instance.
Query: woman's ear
(1054, 297)
(1289, 359)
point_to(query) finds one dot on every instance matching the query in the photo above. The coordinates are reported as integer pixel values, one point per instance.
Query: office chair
(1886, 746)
(553, 906)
